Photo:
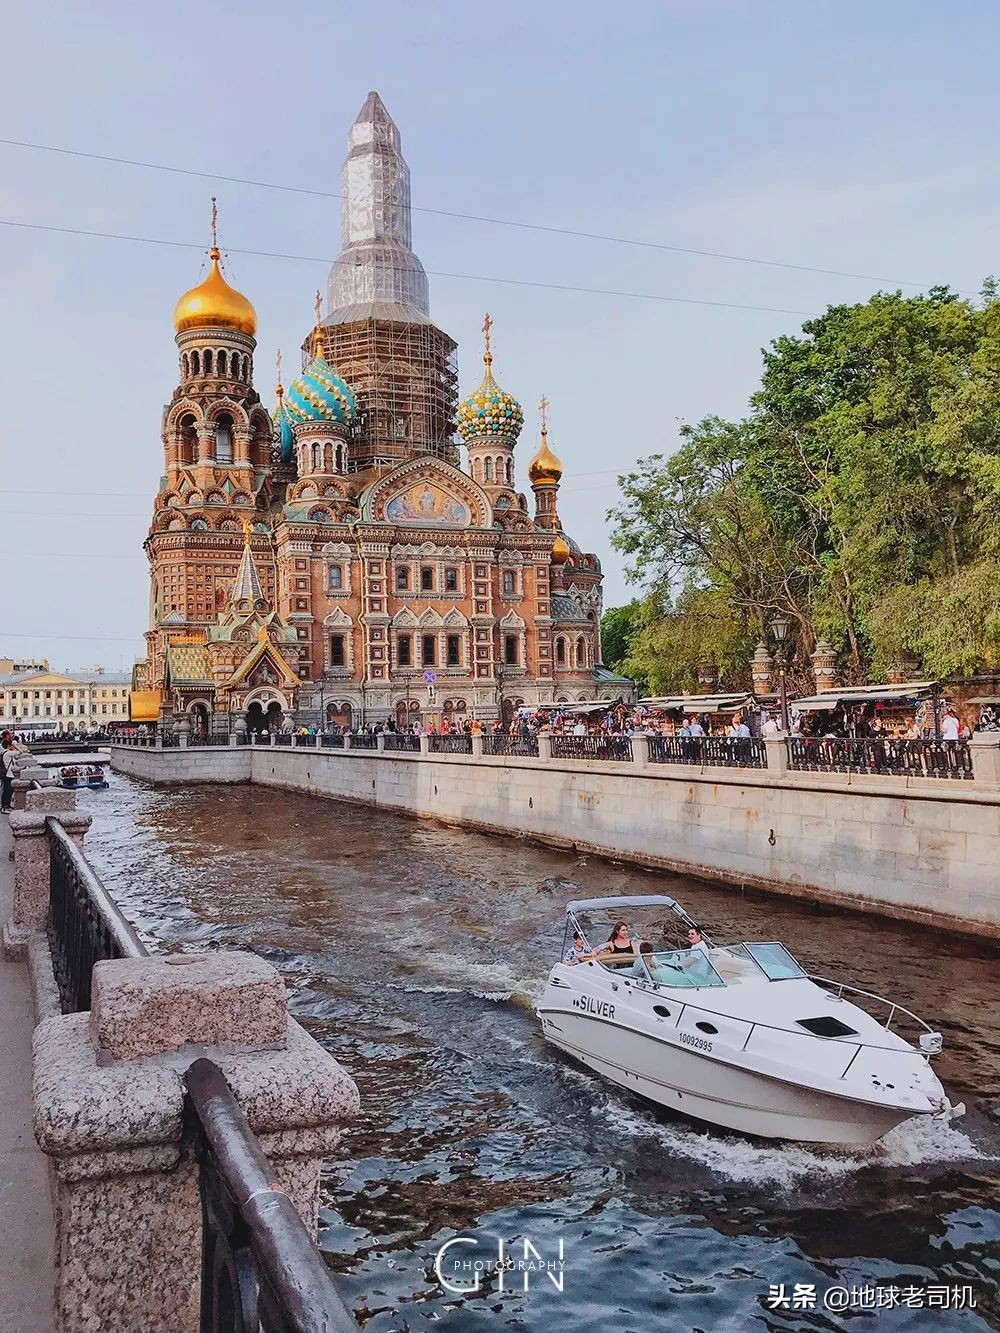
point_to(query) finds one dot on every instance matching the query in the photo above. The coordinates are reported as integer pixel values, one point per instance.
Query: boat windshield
(774, 961)
(681, 967)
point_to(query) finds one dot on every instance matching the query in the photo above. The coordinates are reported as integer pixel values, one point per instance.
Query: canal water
(413, 953)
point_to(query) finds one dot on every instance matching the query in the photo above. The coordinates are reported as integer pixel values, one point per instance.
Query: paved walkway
(27, 1266)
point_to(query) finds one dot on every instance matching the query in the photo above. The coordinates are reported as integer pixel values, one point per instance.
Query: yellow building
(63, 701)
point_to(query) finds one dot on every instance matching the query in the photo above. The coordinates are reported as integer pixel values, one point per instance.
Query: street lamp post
(779, 631)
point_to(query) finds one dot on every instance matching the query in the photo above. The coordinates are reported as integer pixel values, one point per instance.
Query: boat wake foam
(921, 1141)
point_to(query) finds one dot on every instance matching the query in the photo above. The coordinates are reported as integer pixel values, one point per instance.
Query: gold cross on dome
(543, 407)
(215, 224)
(487, 326)
(277, 364)
(318, 307)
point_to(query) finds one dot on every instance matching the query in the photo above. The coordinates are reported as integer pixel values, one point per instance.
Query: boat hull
(719, 1094)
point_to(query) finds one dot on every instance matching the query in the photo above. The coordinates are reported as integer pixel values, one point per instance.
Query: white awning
(870, 694)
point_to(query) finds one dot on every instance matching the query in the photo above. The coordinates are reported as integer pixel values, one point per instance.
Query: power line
(75, 638)
(461, 277)
(463, 217)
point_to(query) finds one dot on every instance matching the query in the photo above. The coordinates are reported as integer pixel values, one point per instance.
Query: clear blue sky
(849, 136)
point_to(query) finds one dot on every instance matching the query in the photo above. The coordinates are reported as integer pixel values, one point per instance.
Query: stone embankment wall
(923, 851)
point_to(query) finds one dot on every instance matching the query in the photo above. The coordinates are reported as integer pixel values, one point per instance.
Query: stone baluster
(109, 1112)
(477, 745)
(425, 744)
(545, 746)
(776, 751)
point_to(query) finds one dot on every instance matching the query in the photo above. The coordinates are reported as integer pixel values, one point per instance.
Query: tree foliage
(860, 497)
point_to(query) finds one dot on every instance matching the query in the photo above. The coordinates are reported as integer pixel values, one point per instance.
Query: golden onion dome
(213, 304)
(560, 550)
(545, 468)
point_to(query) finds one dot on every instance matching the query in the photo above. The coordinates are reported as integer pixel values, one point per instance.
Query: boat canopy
(640, 900)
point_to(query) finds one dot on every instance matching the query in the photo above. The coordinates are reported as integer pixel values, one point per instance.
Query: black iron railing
(259, 1267)
(709, 751)
(217, 738)
(282, 738)
(169, 739)
(332, 742)
(84, 927)
(591, 747)
(395, 741)
(524, 747)
(363, 741)
(893, 756)
(449, 744)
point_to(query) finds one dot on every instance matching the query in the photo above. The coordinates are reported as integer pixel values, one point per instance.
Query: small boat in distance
(82, 775)
(738, 1036)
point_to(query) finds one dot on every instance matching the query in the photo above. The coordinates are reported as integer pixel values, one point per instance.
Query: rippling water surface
(413, 954)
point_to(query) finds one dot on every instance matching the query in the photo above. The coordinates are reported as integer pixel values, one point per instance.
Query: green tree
(618, 625)
(860, 497)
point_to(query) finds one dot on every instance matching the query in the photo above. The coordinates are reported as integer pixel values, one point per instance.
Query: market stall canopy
(992, 700)
(700, 703)
(868, 694)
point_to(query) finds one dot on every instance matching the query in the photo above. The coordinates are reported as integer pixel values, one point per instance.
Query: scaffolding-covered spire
(376, 263)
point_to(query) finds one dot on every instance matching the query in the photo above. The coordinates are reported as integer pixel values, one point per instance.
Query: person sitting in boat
(643, 965)
(578, 953)
(619, 942)
(697, 941)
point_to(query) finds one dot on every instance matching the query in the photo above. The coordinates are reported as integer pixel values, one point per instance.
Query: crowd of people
(625, 952)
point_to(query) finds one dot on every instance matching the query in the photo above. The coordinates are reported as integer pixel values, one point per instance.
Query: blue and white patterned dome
(319, 394)
(489, 411)
(283, 429)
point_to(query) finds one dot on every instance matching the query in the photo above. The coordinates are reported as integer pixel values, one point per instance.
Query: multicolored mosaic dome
(283, 429)
(319, 394)
(489, 411)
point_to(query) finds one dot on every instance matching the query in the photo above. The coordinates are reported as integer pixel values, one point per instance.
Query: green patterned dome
(490, 410)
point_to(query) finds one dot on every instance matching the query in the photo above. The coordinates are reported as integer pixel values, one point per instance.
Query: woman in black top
(620, 941)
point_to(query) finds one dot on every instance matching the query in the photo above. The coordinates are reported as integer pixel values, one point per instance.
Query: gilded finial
(247, 531)
(543, 407)
(545, 469)
(215, 228)
(488, 348)
(278, 388)
(318, 334)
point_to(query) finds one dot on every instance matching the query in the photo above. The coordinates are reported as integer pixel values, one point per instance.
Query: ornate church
(333, 561)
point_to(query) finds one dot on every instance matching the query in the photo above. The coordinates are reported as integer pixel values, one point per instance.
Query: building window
(560, 652)
(510, 653)
(427, 579)
(429, 649)
(338, 654)
(451, 580)
(403, 579)
(404, 650)
(336, 577)
(581, 653)
(223, 438)
(509, 584)
(454, 650)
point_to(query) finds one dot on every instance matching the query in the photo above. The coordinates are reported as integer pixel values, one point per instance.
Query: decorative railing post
(477, 745)
(109, 1110)
(640, 750)
(425, 744)
(380, 741)
(31, 861)
(545, 746)
(984, 747)
(347, 740)
(776, 748)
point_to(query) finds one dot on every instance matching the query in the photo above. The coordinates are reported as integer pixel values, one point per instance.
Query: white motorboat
(739, 1036)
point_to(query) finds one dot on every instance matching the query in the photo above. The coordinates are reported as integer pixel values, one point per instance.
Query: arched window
(316, 456)
(221, 362)
(188, 437)
(208, 360)
(185, 366)
(560, 652)
(509, 582)
(510, 472)
(223, 436)
(581, 653)
(489, 469)
(195, 363)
